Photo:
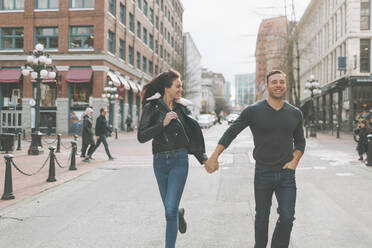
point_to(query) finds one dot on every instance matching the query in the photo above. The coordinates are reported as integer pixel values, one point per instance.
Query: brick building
(91, 42)
(270, 51)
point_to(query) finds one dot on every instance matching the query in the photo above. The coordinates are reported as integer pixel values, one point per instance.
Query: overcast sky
(225, 31)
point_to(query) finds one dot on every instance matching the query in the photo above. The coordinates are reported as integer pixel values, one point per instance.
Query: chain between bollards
(19, 141)
(8, 184)
(369, 150)
(52, 166)
(58, 143)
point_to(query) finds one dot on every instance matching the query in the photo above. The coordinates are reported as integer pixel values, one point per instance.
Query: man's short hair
(273, 72)
(102, 110)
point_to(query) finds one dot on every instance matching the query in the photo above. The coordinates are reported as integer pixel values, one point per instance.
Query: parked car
(231, 118)
(205, 120)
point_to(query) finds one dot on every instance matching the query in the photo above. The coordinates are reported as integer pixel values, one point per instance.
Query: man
(279, 144)
(101, 133)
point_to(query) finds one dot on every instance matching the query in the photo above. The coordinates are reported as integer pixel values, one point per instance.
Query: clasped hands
(211, 165)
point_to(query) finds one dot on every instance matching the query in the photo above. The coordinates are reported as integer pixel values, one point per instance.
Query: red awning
(79, 75)
(10, 75)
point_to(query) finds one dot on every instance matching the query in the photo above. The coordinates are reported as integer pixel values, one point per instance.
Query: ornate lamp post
(39, 65)
(111, 93)
(312, 87)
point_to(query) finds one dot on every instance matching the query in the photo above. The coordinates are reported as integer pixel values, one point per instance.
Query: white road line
(346, 174)
(320, 168)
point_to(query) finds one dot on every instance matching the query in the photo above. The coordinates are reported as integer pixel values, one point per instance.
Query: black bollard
(19, 141)
(338, 131)
(24, 134)
(52, 166)
(75, 137)
(8, 185)
(369, 151)
(58, 143)
(116, 133)
(307, 131)
(73, 156)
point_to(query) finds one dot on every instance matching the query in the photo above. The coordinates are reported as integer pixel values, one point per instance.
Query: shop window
(12, 95)
(12, 38)
(47, 36)
(81, 37)
(82, 4)
(80, 93)
(48, 94)
(12, 4)
(46, 4)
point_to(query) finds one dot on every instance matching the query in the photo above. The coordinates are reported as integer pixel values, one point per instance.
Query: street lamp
(312, 87)
(111, 93)
(40, 67)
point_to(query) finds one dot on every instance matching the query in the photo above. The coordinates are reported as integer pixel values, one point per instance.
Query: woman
(87, 136)
(174, 134)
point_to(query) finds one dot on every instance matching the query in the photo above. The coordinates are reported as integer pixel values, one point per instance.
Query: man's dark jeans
(102, 139)
(283, 184)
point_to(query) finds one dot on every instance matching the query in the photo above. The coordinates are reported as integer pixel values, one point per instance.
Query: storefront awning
(79, 75)
(114, 78)
(133, 85)
(139, 86)
(10, 75)
(124, 83)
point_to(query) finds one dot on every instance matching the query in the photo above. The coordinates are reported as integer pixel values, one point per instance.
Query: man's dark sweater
(276, 133)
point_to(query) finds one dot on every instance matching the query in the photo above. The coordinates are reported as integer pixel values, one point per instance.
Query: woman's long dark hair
(157, 84)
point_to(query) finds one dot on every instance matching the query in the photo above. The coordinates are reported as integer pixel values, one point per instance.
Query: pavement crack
(11, 218)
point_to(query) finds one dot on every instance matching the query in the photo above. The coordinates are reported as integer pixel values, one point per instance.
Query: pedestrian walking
(101, 133)
(87, 135)
(279, 145)
(362, 131)
(174, 135)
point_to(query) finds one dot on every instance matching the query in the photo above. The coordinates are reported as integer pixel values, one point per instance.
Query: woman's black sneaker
(182, 225)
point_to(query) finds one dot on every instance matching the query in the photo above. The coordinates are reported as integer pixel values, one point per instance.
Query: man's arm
(230, 134)
(292, 165)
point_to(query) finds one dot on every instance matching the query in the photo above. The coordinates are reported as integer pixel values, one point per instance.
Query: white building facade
(192, 81)
(334, 38)
(244, 89)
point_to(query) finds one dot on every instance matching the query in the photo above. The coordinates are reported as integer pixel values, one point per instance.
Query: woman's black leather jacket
(188, 135)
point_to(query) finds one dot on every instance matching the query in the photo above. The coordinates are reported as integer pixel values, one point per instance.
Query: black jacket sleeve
(298, 135)
(148, 128)
(236, 127)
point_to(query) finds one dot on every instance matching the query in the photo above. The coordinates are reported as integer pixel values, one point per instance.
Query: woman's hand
(169, 117)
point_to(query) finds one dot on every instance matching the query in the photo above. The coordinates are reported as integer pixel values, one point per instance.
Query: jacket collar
(182, 101)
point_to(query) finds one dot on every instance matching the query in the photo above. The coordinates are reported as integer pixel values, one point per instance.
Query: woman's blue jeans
(171, 169)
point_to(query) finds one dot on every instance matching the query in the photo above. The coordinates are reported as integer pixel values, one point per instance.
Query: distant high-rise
(244, 89)
(271, 50)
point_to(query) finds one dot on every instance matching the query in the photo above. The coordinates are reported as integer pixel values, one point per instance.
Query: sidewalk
(25, 186)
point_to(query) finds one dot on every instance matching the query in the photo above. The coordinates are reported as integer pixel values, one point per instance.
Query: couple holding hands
(279, 145)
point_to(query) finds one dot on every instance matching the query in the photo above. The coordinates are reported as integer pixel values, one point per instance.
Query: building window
(131, 55)
(169, 16)
(122, 13)
(156, 69)
(12, 4)
(157, 22)
(172, 22)
(365, 14)
(145, 7)
(112, 7)
(169, 38)
(145, 35)
(161, 51)
(12, 38)
(161, 28)
(80, 93)
(172, 40)
(46, 4)
(81, 37)
(138, 61)
(151, 15)
(122, 49)
(139, 4)
(131, 22)
(138, 30)
(111, 42)
(151, 41)
(365, 47)
(144, 64)
(157, 47)
(82, 4)
(150, 67)
(47, 36)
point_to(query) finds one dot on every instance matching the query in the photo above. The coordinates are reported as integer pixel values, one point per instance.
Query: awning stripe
(124, 82)
(79, 75)
(114, 78)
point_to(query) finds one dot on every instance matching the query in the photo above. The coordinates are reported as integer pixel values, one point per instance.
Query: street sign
(342, 63)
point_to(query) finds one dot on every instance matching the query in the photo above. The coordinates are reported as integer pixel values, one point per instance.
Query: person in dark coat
(87, 135)
(362, 132)
(101, 132)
